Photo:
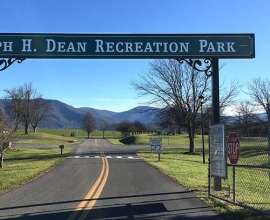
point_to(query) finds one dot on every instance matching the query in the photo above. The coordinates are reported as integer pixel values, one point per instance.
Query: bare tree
(140, 127)
(177, 87)
(89, 124)
(7, 137)
(259, 91)
(14, 98)
(124, 127)
(228, 94)
(167, 120)
(103, 126)
(26, 106)
(245, 117)
(42, 107)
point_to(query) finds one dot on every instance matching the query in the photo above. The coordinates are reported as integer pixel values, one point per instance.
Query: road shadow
(151, 209)
(156, 211)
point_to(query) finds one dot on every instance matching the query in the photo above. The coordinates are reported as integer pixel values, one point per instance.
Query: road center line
(98, 192)
(90, 200)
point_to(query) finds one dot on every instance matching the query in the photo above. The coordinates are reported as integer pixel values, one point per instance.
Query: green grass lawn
(67, 132)
(24, 164)
(143, 139)
(51, 137)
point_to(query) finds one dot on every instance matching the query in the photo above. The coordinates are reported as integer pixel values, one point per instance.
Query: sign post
(233, 149)
(61, 147)
(156, 143)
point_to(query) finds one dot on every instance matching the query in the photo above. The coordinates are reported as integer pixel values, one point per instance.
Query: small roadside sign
(159, 150)
(233, 148)
(156, 143)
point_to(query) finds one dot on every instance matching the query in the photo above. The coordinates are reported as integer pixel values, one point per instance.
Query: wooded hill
(66, 116)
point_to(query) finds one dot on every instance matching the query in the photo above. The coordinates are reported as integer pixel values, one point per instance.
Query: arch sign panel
(131, 46)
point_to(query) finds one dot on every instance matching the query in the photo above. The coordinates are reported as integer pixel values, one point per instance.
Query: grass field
(80, 133)
(143, 139)
(24, 164)
(187, 169)
(62, 136)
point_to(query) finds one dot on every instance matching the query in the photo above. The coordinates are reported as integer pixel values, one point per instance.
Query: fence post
(268, 118)
(234, 185)
(209, 177)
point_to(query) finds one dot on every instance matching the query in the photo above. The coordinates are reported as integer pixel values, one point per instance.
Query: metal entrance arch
(189, 48)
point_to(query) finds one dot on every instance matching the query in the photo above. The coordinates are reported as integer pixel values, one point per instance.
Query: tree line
(127, 127)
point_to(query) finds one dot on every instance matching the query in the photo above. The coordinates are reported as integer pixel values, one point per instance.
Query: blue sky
(105, 84)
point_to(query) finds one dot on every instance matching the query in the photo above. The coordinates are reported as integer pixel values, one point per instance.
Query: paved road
(103, 181)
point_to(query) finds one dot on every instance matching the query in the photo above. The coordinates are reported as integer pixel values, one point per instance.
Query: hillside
(66, 116)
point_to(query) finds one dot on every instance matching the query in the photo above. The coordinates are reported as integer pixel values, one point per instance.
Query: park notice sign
(217, 151)
(130, 46)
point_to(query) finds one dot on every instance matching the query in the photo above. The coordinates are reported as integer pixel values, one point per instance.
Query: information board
(217, 151)
(155, 141)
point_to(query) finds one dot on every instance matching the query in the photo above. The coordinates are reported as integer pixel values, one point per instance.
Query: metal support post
(215, 107)
(268, 118)
(234, 185)
(209, 173)
(202, 135)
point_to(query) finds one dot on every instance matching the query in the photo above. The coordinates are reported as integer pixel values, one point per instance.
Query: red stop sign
(233, 148)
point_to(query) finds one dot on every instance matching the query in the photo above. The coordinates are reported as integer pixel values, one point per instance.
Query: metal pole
(202, 134)
(268, 118)
(215, 107)
(234, 185)
(209, 176)
(215, 92)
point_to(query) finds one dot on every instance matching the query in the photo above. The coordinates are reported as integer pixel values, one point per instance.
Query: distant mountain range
(66, 116)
